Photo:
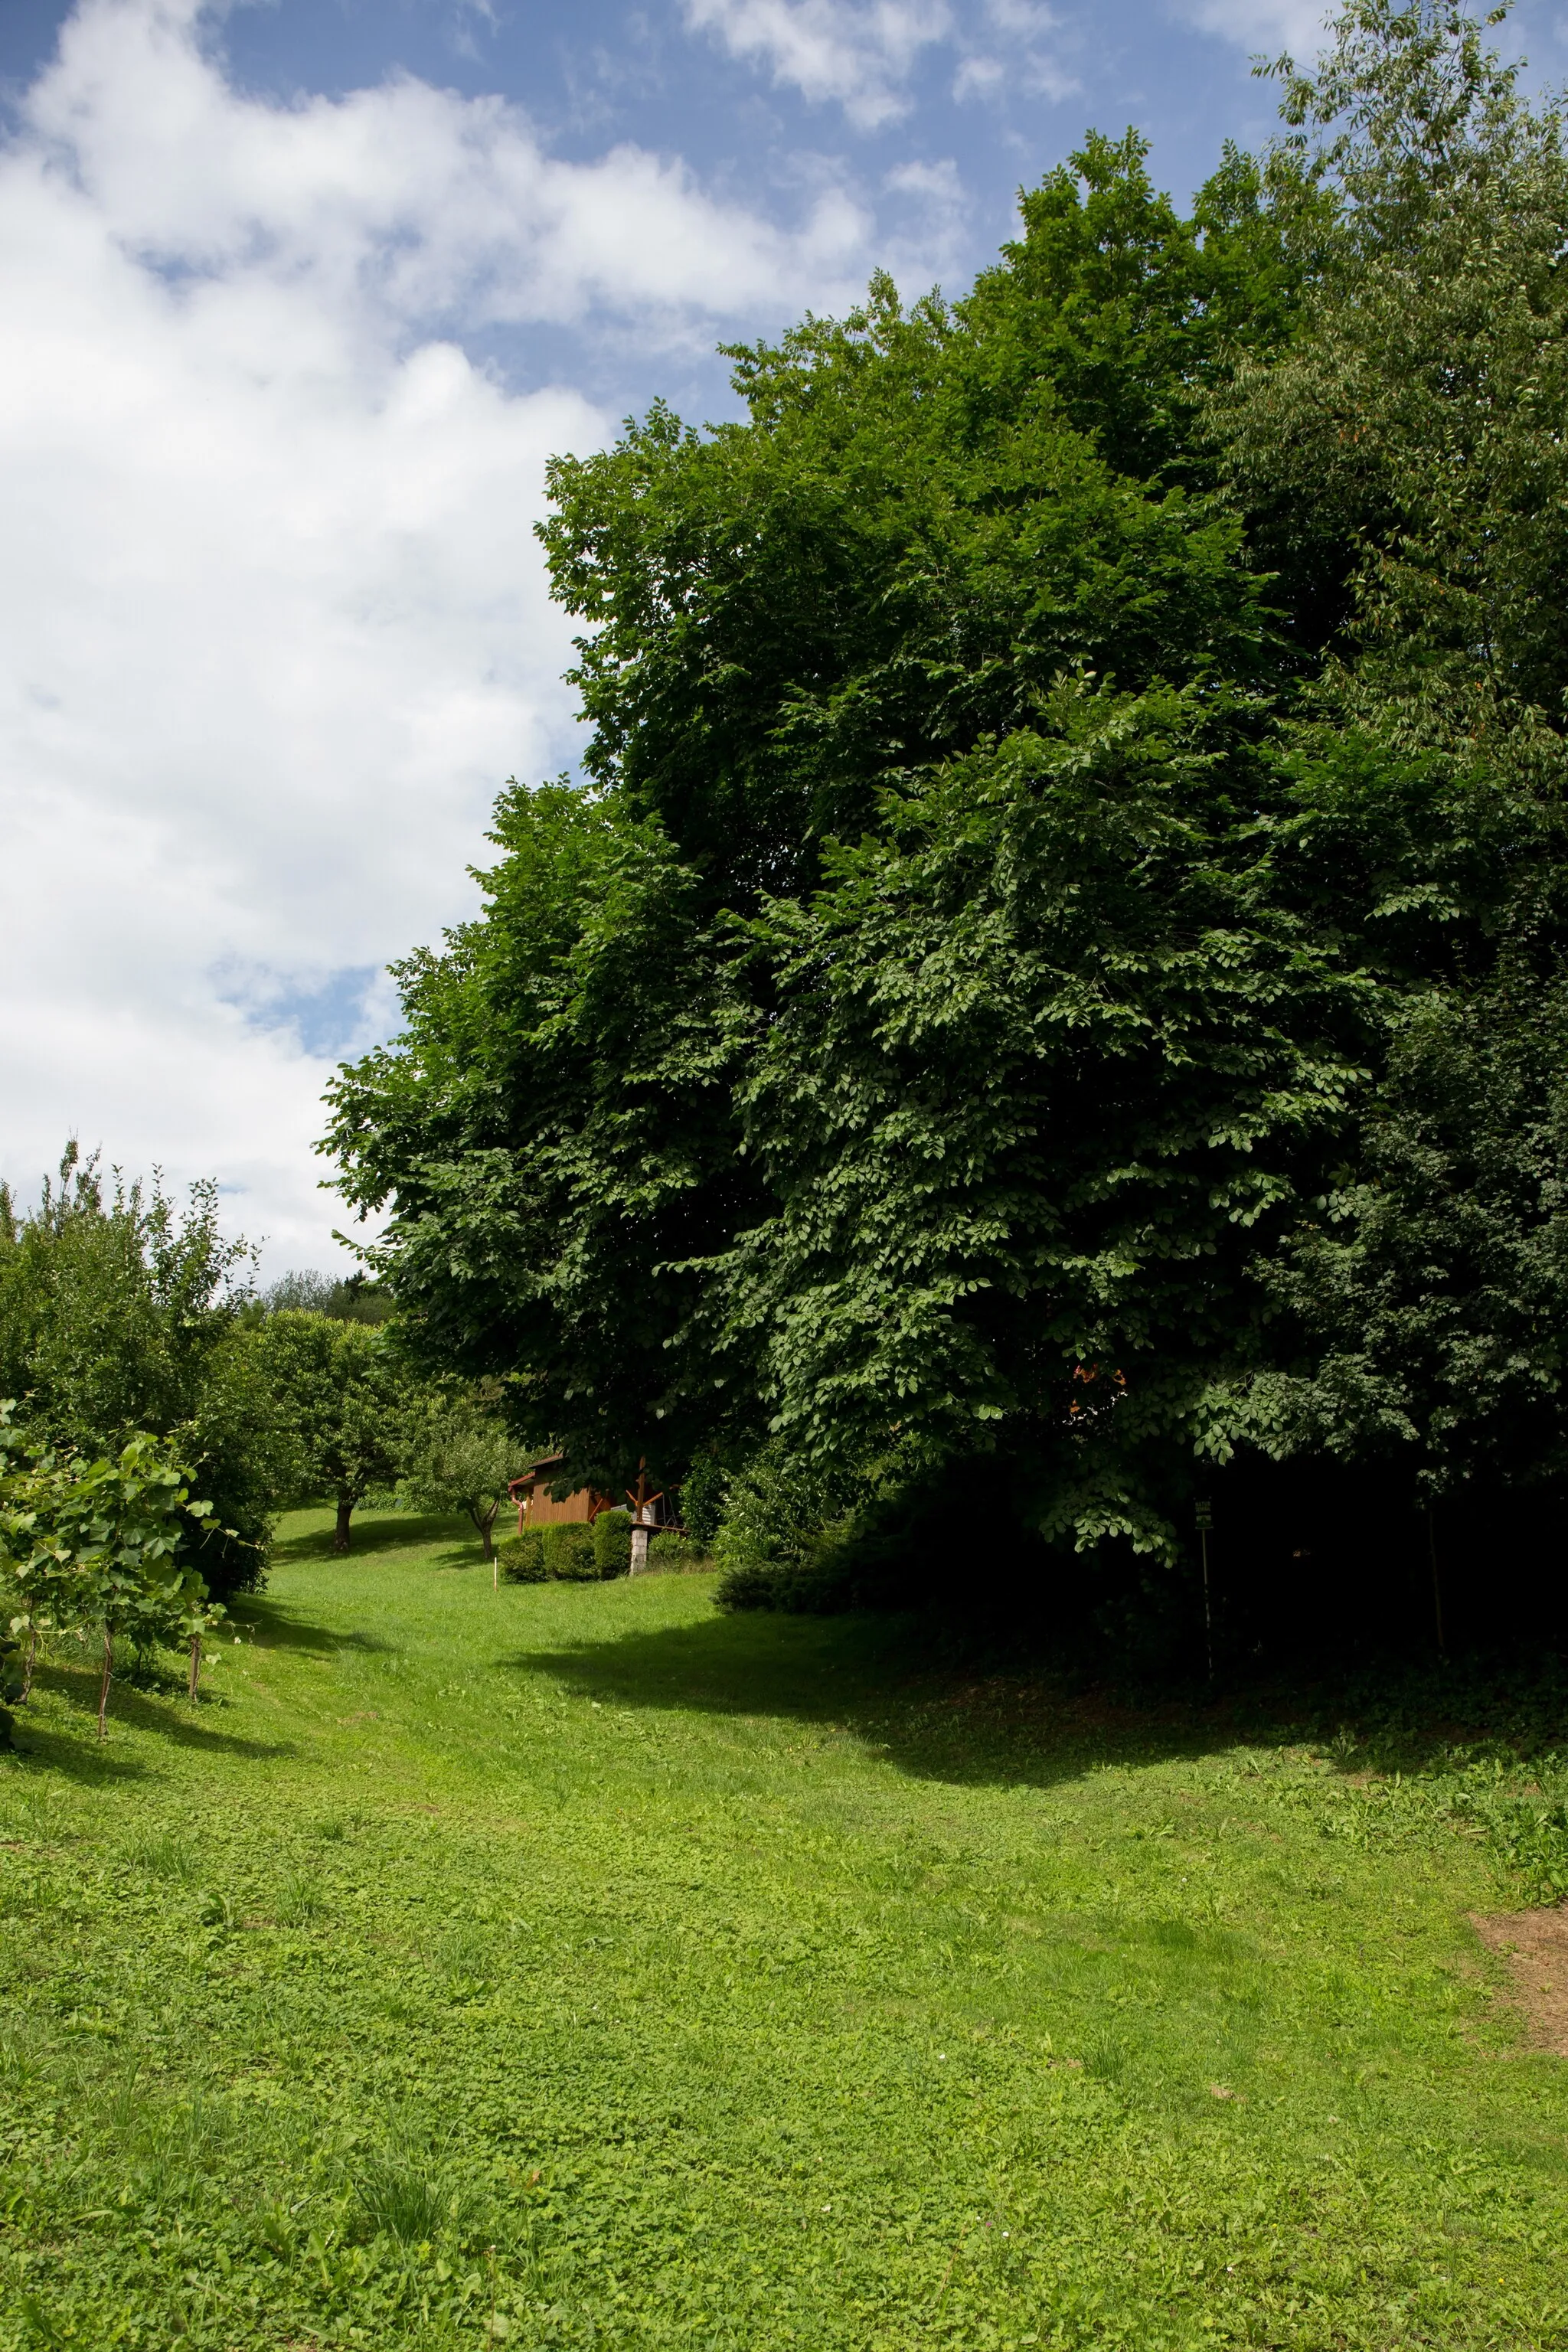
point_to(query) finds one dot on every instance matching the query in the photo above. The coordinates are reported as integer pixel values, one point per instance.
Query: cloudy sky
(299, 295)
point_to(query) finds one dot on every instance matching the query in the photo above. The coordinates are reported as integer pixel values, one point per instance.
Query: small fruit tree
(102, 1547)
(461, 1456)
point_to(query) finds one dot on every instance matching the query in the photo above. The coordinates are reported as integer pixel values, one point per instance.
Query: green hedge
(613, 1543)
(575, 1551)
(571, 1551)
(521, 1558)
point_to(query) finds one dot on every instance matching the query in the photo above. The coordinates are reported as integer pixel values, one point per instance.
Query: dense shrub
(771, 1584)
(122, 1315)
(568, 1551)
(676, 1555)
(613, 1543)
(704, 1492)
(577, 1553)
(521, 1556)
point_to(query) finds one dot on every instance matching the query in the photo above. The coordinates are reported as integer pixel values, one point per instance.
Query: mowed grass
(574, 1965)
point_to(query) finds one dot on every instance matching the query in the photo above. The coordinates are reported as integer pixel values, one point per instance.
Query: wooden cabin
(537, 1508)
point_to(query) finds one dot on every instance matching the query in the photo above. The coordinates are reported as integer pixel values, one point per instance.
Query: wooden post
(645, 1522)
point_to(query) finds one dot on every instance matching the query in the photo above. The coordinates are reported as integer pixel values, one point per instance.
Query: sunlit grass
(573, 1966)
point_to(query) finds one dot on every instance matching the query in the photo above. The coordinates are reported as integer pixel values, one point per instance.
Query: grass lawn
(574, 1966)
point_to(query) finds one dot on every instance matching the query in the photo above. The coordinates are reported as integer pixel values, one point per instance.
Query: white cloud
(274, 625)
(1007, 53)
(861, 54)
(1262, 28)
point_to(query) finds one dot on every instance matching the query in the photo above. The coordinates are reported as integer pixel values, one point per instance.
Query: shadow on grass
(890, 1682)
(377, 1531)
(885, 1681)
(273, 1625)
(128, 1708)
(72, 1756)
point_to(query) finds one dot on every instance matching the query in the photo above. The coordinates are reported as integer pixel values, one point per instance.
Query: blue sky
(300, 299)
(926, 114)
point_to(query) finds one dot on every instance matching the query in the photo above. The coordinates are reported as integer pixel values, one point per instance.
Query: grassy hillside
(574, 1966)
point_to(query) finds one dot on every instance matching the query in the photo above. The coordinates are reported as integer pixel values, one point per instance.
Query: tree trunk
(103, 1686)
(485, 1525)
(1436, 1580)
(195, 1665)
(32, 1661)
(341, 1532)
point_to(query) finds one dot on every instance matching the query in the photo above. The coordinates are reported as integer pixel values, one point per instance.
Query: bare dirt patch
(1534, 1945)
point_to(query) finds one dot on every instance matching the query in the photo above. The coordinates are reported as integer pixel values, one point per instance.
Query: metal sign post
(1203, 1516)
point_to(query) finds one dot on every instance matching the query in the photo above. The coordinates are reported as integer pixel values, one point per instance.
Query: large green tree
(916, 533)
(1409, 443)
(1033, 809)
(346, 1394)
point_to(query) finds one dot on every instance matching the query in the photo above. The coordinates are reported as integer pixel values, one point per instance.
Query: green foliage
(521, 1556)
(1119, 314)
(703, 1491)
(1432, 1294)
(345, 1393)
(569, 1552)
(566, 1551)
(674, 1554)
(572, 1053)
(459, 1455)
(353, 1298)
(119, 1315)
(1051, 1061)
(13, 1683)
(1052, 966)
(109, 1546)
(1411, 441)
(902, 548)
(613, 1543)
(593, 2010)
(775, 1518)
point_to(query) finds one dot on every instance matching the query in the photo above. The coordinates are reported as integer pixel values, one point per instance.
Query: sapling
(104, 1544)
(465, 1459)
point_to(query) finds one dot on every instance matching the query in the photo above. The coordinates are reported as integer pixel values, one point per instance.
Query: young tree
(109, 1545)
(119, 1314)
(461, 1457)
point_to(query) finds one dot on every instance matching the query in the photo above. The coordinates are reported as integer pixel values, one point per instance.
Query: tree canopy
(1056, 956)
(343, 1392)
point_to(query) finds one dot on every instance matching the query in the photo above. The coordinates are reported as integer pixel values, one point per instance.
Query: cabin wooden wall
(539, 1511)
